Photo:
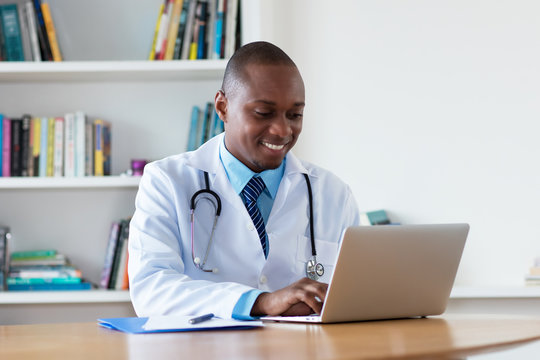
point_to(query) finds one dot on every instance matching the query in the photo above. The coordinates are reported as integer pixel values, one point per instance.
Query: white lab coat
(163, 278)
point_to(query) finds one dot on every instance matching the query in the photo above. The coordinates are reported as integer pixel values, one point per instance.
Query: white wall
(428, 109)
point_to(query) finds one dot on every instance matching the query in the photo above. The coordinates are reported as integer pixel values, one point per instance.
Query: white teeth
(273, 147)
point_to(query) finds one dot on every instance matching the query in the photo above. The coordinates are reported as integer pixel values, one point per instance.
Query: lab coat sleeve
(158, 285)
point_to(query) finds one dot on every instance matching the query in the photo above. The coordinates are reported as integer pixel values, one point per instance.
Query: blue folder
(135, 325)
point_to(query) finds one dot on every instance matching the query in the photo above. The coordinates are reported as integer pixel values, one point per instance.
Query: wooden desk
(436, 337)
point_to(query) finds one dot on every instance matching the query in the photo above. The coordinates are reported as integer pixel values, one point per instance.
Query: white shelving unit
(149, 105)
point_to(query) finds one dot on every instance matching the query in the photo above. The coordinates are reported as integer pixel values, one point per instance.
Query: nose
(281, 126)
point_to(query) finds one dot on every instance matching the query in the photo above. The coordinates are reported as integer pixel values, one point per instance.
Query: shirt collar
(239, 174)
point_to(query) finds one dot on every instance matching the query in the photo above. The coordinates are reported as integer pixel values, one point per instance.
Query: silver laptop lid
(385, 272)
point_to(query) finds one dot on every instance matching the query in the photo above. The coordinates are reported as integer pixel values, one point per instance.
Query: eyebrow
(267, 102)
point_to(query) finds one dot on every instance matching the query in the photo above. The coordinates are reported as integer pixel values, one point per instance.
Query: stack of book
(27, 32)
(205, 124)
(114, 274)
(533, 277)
(196, 29)
(43, 270)
(71, 145)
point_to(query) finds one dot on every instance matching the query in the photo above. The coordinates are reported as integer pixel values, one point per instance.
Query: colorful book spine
(50, 287)
(25, 34)
(181, 30)
(33, 31)
(43, 147)
(161, 41)
(210, 28)
(9, 19)
(16, 130)
(46, 54)
(80, 138)
(36, 149)
(201, 36)
(89, 148)
(51, 32)
(219, 29)
(230, 30)
(188, 34)
(152, 55)
(6, 146)
(50, 146)
(174, 23)
(192, 138)
(58, 163)
(69, 145)
(33, 254)
(25, 144)
(38, 281)
(98, 153)
(109, 255)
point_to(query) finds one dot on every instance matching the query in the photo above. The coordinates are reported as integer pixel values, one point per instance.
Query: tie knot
(254, 188)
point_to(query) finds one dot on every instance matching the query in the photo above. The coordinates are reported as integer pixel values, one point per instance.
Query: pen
(200, 319)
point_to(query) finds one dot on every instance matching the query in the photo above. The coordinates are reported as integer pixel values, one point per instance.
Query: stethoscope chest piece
(314, 269)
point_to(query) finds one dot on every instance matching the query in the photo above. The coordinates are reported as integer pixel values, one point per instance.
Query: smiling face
(262, 114)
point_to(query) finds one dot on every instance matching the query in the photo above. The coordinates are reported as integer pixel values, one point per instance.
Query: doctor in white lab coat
(261, 103)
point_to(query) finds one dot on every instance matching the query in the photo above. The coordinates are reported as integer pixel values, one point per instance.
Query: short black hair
(259, 53)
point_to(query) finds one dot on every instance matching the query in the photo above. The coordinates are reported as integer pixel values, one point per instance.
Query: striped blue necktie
(251, 193)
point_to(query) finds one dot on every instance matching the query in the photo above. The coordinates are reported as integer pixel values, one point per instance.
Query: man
(253, 261)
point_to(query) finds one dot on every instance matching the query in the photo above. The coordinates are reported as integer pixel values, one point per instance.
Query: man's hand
(303, 297)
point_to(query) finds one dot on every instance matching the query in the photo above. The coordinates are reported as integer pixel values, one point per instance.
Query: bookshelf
(148, 104)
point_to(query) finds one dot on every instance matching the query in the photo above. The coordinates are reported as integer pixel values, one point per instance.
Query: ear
(220, 103)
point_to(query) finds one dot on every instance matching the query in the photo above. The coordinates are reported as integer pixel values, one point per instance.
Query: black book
(25, 144)
(122, 237)
(44, 45)
(4, 256)
(16, 151)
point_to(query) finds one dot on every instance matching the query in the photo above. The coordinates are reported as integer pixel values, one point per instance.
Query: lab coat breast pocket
(326, 255)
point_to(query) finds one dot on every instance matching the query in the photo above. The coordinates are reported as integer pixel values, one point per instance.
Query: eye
(296, 116)
(262, 113)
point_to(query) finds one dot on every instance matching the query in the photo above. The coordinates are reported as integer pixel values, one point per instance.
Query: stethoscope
(314, 269)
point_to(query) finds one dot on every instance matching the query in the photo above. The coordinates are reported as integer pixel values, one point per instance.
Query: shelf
(65, 297)
(515, 292)
(69, 182)
(97, 71)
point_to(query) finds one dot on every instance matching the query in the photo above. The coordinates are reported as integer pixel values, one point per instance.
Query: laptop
(391, 272)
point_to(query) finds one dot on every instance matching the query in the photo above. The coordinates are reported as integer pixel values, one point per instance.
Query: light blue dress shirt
(239, 175)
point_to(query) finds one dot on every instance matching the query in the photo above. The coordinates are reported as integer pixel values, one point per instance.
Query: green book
(9, 20)
(33, 254)
(36, 281)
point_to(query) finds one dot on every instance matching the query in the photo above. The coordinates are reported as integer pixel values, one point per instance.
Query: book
(45, 48)
(44, 271)
(102, 144)
(25, 33)
(80, 143)
(205, 126)
(116, 264)
(16, 139)
(50, 287)
(2, 45)
(9, 20)
(33, 254)
(89, 148)
(179, 41)
(43, 142)
(69, 145)
(197, 27)
(41, 281)
(50, 145)
(201, 23)
(36, 146)
(58, 259)
(6, 146)
(4, 258)
(32, 30)
(121, 265)
(188, 34)
(109, 255)
(25, 144)
(377, 217)
(174, 23)
(192, 137)
(51, 32)
(58, 162)
(152, 55)
(161, 41)
(220, 13)
(210, 28)
(230, 30)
